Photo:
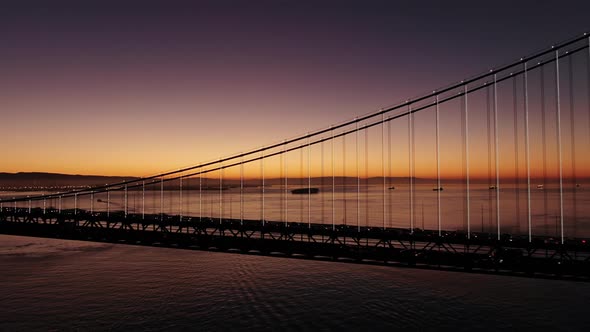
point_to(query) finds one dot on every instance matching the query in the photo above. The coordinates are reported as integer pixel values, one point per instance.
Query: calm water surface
(366, 206)
(48, 284)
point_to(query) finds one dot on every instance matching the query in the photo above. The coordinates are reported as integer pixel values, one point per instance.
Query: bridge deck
(452, 250)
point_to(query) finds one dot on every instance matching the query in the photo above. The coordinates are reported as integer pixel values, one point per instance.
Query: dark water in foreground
(67, 285)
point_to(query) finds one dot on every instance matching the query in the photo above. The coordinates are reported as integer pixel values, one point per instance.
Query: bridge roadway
(452, 250)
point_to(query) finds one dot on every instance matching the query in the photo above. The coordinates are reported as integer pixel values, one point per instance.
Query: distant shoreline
(36, 181)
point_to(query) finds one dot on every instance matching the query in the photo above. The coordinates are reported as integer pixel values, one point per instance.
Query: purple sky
(98, 87)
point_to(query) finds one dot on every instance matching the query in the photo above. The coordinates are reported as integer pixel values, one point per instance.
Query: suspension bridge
(490, 174)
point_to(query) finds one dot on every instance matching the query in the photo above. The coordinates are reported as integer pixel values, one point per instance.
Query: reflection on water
(68, 285)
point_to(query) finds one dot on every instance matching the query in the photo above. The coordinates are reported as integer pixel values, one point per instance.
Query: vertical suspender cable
(308, 182)
(527, 148)
(301, 182)
(126, 200)
(286, 187)
(143, 200)
(263, 184)
(463, 161)
(366, 181)
(358, 180)
(574, 177)
(333, 181)
(322, 198)
(187, 200)
(367, 177)
(242, 189)
(559, 144)
(413, 172)
(410, 168)
(544, 142)
(161, 198)
(282, 191)
(496, 150)
(344, 178)
(384, 216)
(467, 196)
(489, 140)
(390, 169)
(221, 192)
(180, 199)
(516, 159)
(438, 170)
(200, 194)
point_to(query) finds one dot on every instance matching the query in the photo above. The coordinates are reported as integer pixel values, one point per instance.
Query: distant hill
(9, 181)
(38, 179)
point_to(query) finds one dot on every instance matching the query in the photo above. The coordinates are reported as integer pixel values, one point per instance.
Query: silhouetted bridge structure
(373, 245)
(361, 197)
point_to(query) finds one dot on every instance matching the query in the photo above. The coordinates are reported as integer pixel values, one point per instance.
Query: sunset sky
(101, 87)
